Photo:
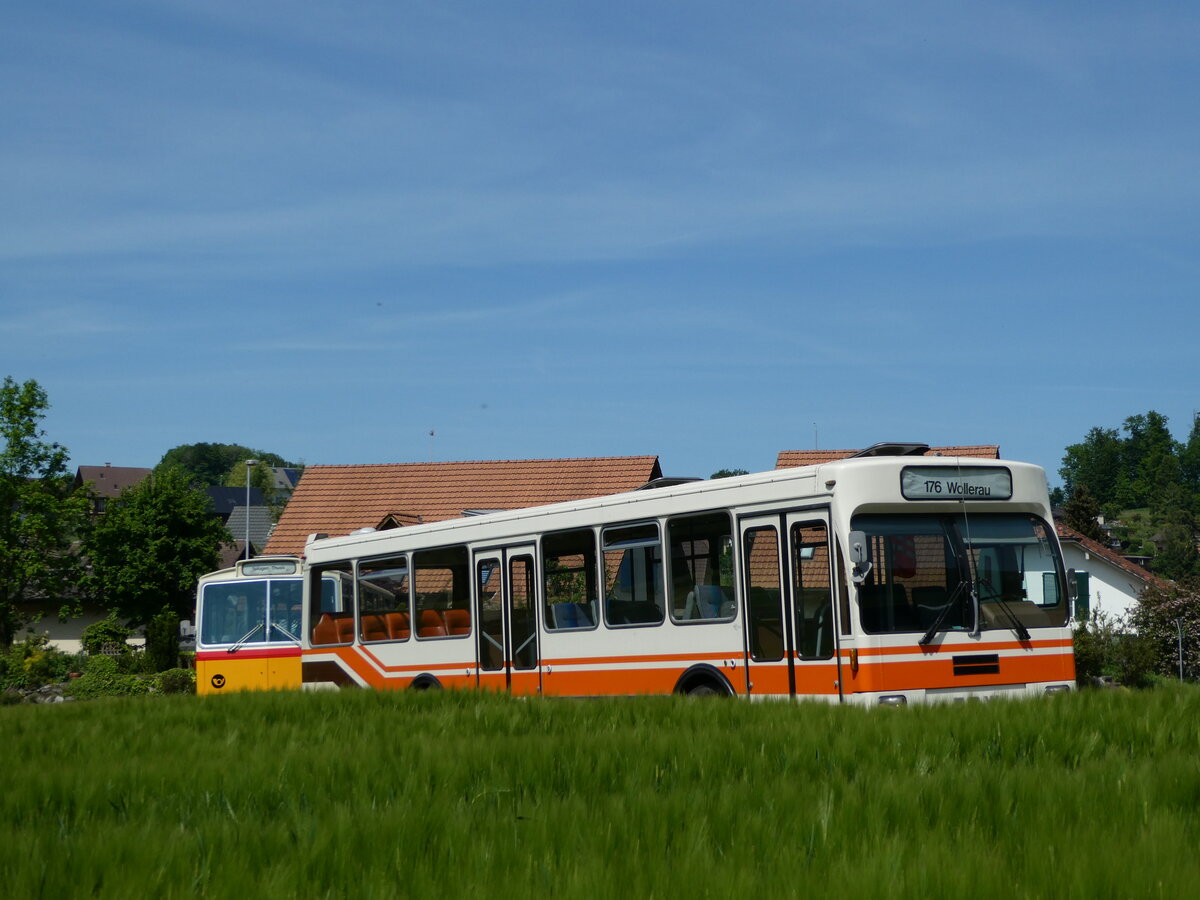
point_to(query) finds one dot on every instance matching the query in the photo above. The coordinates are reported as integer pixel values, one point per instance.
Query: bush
(30, 664)
(162, 641)
(102, 677)
(177, 681)
(1164, 609)
(1109, 648)
(106, 632)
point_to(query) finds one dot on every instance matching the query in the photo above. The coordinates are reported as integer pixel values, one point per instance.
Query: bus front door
(507, 643)
(791, 640)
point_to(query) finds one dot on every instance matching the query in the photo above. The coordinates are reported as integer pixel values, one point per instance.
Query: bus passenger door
(507, 636)
(814, 648)
(769, 668)
(790, 637)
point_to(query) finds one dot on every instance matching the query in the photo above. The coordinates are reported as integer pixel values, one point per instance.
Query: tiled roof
(260, 525)
(337, 500)
(1095, 548)
(789, 459)
(109, 481)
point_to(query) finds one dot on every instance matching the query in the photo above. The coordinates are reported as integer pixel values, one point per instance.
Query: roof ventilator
(665, 482)
(892, 449)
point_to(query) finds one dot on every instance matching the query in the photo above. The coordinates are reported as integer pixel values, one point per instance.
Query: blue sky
(705, 231)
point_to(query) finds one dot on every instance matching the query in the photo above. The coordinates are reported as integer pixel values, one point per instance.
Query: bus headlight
(1058, 688)
(893, 700)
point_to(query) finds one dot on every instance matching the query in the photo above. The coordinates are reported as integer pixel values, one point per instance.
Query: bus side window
(633, 574)
(701, 568)
(569, 580)
(442, 592)
(383, 603)
(331, 605)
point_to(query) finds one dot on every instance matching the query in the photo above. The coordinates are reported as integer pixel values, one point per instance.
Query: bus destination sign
(273, 567)
(955, 483)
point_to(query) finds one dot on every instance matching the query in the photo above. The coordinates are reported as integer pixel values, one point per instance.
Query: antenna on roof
(431, 445)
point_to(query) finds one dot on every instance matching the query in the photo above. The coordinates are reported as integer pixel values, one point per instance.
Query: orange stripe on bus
(960, 649)
(274, 653)
(939, 673)
(410, 667)
(738, 654)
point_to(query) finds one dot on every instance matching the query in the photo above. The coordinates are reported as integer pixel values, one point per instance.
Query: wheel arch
(703, 676)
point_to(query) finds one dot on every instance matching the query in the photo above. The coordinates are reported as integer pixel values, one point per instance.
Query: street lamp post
(1179, 627)
(249, 464)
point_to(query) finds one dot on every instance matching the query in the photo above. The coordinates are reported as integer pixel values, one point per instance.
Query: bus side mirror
(858, 556)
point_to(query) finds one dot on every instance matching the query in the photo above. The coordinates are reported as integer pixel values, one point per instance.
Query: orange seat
(345, 628)
(432, 624)
(373, 627)
(398, 626)
(458, 621)
(325, 632)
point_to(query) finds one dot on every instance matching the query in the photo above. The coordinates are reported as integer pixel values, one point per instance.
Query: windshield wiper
(287, 634)
(941, 617)
(1021, 631)
(245, 637)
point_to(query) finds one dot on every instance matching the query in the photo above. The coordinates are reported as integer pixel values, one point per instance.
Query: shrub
(107, 632)
(177, 681)
(1164, 610)
(135, 662)
(162, 641)
(1107, 647)
(102, 677)
(31, 663)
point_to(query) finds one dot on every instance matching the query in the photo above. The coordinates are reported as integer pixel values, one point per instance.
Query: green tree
(1082, 513)
(40, 512)
(1096, 463)
(728, 473)
(1149, 460)
(152, 544)
(1189, 459)
(1176, 557)
(208, 465)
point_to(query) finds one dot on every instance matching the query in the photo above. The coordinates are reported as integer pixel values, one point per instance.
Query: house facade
(1113, 583)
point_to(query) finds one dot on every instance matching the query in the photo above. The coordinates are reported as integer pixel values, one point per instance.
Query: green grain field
(361, 794)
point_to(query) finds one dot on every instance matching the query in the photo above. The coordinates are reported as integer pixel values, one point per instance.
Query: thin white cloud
(74, 320)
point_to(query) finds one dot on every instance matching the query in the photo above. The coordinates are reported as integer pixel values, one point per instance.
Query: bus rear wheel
(704, 681)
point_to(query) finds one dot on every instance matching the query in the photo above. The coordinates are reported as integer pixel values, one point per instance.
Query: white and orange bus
(887, 578)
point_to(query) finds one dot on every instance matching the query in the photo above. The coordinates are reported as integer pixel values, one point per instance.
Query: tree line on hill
(1145, 485)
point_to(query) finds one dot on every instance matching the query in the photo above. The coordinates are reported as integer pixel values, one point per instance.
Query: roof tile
(337, 500)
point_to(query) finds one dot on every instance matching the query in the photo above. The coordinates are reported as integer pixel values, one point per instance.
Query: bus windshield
(955, 573)
(250, 612)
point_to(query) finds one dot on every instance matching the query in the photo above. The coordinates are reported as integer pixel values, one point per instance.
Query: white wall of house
(67, 636)
(1113, 590)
